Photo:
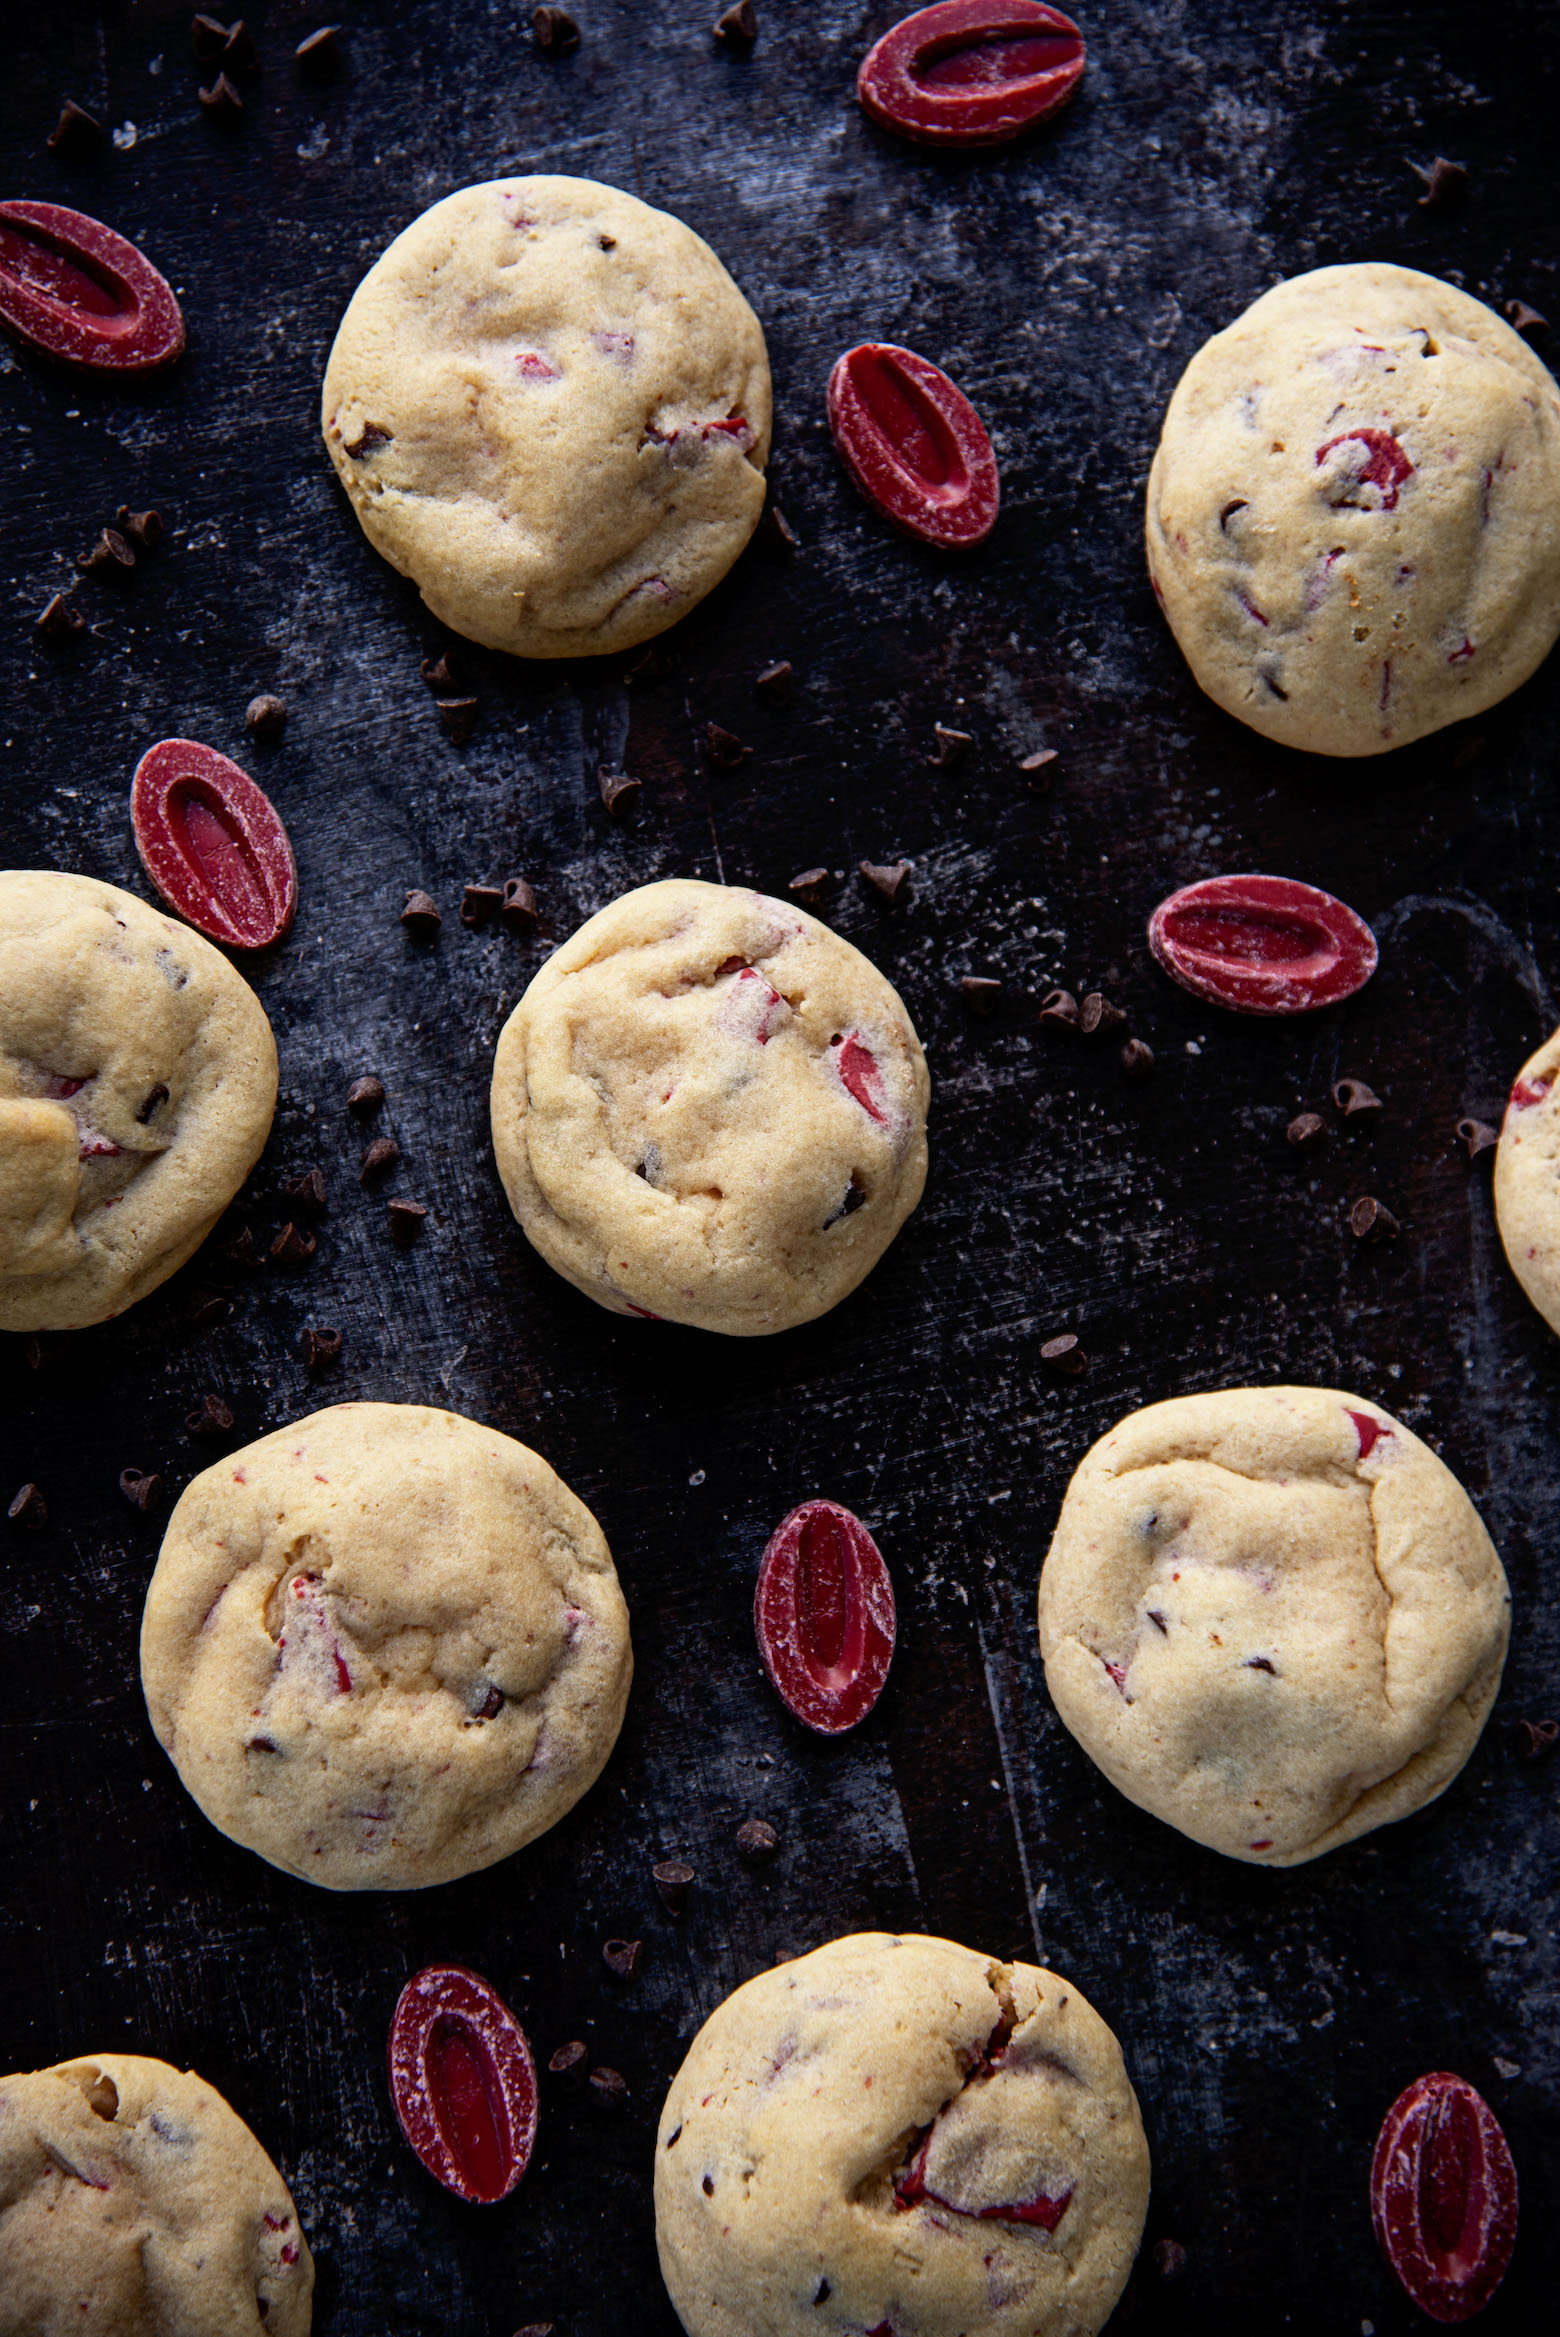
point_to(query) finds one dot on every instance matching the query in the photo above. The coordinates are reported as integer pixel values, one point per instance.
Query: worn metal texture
(1268, 2019)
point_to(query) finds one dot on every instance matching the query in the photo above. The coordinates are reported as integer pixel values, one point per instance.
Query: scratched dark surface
(1268, 2019)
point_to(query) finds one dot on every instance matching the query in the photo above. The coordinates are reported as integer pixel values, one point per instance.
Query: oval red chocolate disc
(824, 1614)
(1262, 944)
(73, 288)
(1443, 2196)
(213, 844)
(463, 2082)
(972, 72)
(914, 445)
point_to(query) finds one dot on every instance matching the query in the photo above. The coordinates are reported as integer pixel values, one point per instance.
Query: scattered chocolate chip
(406, 1222)
(1236, 503)
(141, 1490)
(1037, 770)
(673, 1878)
(1306, 1131)
(307, 1193)
(737, 29)
(519, 909)
(372, 437)
(623, 1956)
(110, 559)
(810, 886)
(557, 34)
(537, 2329)
(889, 881)
(1525, 319)
(211, 1417)
(366, 1094)
(320, 1347)
(981, 992)
(776, 684)
(722, 749)
(952, 746)
(1476, 1136)
(318, 55)
(243, 1250)
(383, 1153)
(1446, 183)
(159, 1095)
(421, 916)
(606, 243)
(60, 621)
(569, 2062)
(1352, 1096)
(609, 2088)
(1137, 1059)
(222, 104)
(208, 38)
(1059, 1011)
(145, 529)
(239, 54)
(479, 902)
(1098, 1014)
(1535, 1738)
(77, 135)
(459, 717)
(651, 665)
(29, 1509)
(1371, 1221)
(33, 1350)
(439, 674)
(208, 1306)
(293, 1247)
(1169, 2259)
(266, 718)
(1064, 1355)
(757, 1840)
(781, 531)
(619, 792)
(492, 1704)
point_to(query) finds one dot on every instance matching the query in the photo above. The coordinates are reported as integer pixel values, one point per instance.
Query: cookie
(137, 1083)
(384, 1647)
(1272, 1617)
(1351, 513)
(550, 406)
(709, 1108)
(135, 2203)
(897, 2134)
(1527, 1180)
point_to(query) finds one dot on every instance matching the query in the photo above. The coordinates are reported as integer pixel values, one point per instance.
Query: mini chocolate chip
(781, 531)
(459, 717)
(421, 916)
(1037, 770)
(366, 1094)
(722, 749)
(651, 665)
(33, 1351)
(293, 1247)
(159, 1095)
(1535, 1738)
(208, 38)
(1236, 503)
(606, 243)
(810, 886)
(1059, 1011)
(1371, 1221)
(1063, 1354)
(222, 104)
(757, 1839)
(318, 55)
(320, 1347)
(77, 135)
(1169, 2259)
(623, 1956)
(479, 902)
(238, 51)
(519, 909)
(406, 1222)
(372, 437)
(738, 28)
(952, 746)
(1260, 1663)
(29, 1509)
(673, 1878)
(777, 683)
(1525, 319)
(1307, 1131)
(307, 1193)
(491, 1705)
(569, 2062)
(822, 2293)
(1446, 183)
(141, 1490)
(1137, 1059)
(145, 529)
(1352, 1095)
(439, 674)
(212, 1417)
(208, 1306)
(609, 2088)
(1476, 1136)
(60, 621)
(887, 880)
(383, 1153)
(265, 718)
(110, 559)
(1099, 1014)
(981, 993)
(557, 34)
(243, 1250)
(619, 792)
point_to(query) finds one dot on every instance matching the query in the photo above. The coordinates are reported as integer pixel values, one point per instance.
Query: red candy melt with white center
(972, 72)
(1443, 2196)
(73, 288)
(824, 1614)
(463, 2083)
(1262, 944)
(914, 445)
(213, 845)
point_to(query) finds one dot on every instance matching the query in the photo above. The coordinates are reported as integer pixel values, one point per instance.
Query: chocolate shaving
(208, 38)
(1098, 1014)
(1352, 1096)
(318, 55)
(145, 529)
(371, 438)
(651, 665)
(1059, 1011)
(623, 1957)
(243, 1250)
(781, 531)
(722, 749)
(737, 29)
(1525, 319)
(569, 2062)
(609, 2088)
(459, 717)
(1446, 184)
(211, 1417)
(208, 1306)
(439, 674)
(307, 1193)
(239, 54)
(1535, 1738)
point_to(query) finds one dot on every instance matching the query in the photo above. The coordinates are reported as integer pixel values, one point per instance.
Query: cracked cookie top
(134, 2202)
(550, 406)
(1273, 1618)
(137, 1083)
(898, 2135)
(1527, 1180)
(384, 1647)
(1350, 519)
(709, 1108)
